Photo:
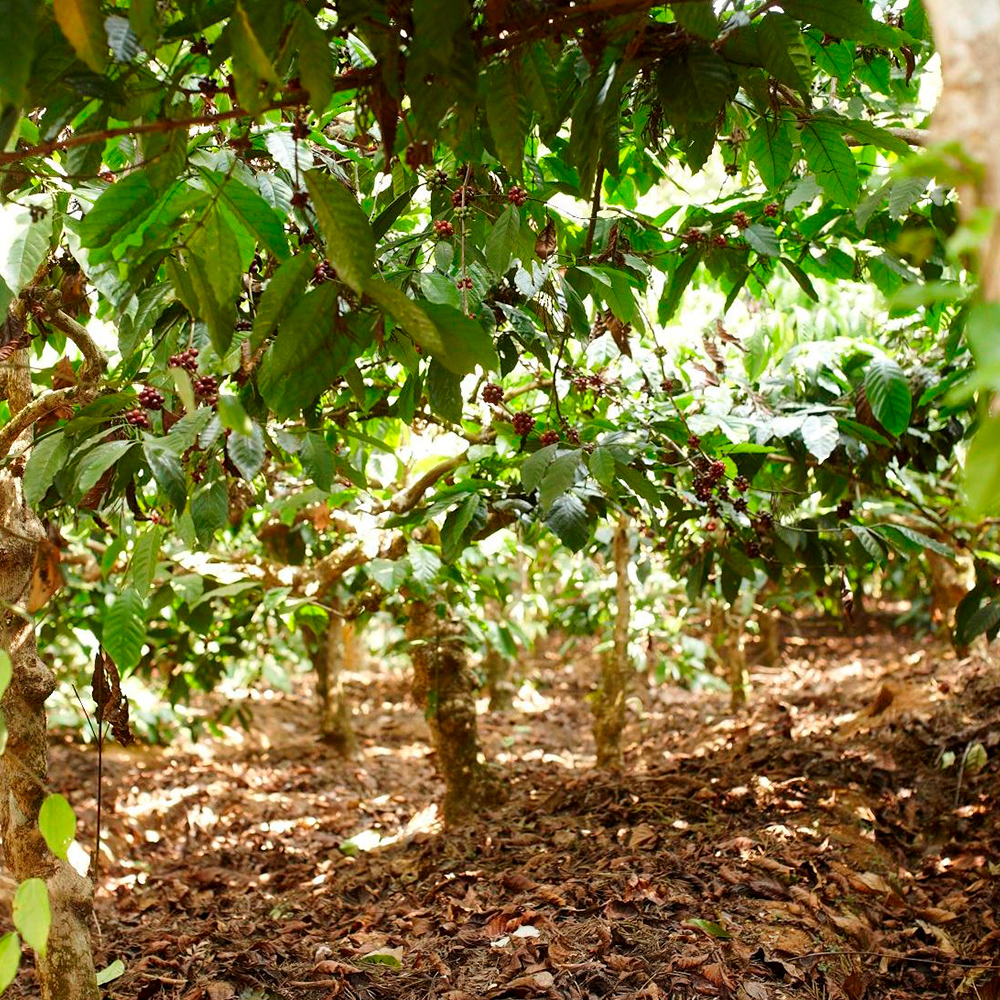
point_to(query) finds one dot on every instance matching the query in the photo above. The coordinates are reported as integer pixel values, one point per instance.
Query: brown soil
(811, 847)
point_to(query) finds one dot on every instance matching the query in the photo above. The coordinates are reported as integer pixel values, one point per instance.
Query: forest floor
(812, 846)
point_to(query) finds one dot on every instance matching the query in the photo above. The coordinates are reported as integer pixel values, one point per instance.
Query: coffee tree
(252, 248)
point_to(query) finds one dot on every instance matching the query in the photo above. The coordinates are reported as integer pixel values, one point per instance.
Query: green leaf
(710, 927)
(252, 211)
(533, 469)
(145, 556)
(679, 281)
(47, 457)
(168, 472)
(844, 19)
(210, 511)
(904, 193)
(117, 208)
(770, 148)
(695, 85)
(559, 477)
(801, 278)
(112, 972)
(502, 240)
(283, 292)
(820, 435)
(142, 15)
(317, 461)
(247, 452)
(407, 314)
(602, 466)
(981, 620)
(888, 394)
(97, 461)
(444, 392)
(350, 245)
(784, 51)
(507, 126)
(19, 18)
(568, 519)
(982, 469)
(232, 416)
(870, 543)
(6, 671)
(697, 18)
(315, 60)
(465, 343)
(763, 239)
(123, 40)
(831, 161)
(10, 958)
(24, 243)
(424, 562)
(910, 540)
(124, 631)
(453, 531)
(251, 64)
(312, 347)
(866, 132)
(57, 824)
(82, 24)
(215, 270)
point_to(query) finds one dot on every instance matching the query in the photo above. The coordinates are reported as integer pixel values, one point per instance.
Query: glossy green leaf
(283, 291)
(10, 958)
(444, 392)
(770, 148)
(57, 824)
(247, 452)
(24, 242)
(210, 509)
(47, 457)
(831, 161)
(20, 21)
(888, 394)
(124, 631)
(567, 518)
(347, 233)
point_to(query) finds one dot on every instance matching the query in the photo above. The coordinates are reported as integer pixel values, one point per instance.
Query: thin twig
(596, 207)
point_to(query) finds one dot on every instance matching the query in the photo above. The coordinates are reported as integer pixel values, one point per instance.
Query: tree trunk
(443, 686)
(727, 631)
(967, 35)
(66, 972)
(498, 683)
(768, 628)
(331, 652)
(612, 687)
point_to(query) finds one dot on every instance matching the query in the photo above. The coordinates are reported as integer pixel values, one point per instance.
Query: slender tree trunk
(727, 631)
(967, 37)
(612, 687)
(66, 972)
(769, 629)
(498, 683)
(331, 653)
(443, 686)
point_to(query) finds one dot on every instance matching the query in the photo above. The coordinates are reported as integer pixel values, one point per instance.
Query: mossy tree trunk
(613, 684)
(444, 687)
(66, 971)
(332, 651)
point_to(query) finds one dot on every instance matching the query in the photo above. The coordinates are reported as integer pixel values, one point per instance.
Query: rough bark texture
(612, 687)
(444, 687)
(66, 972)
(728, 633)
(967, 37)
(331, 652)
(769, 629)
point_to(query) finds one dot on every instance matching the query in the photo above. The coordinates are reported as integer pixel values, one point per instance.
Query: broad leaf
(347, 234)
(247, 452)
(57, 824)
(568, 519)
(82, 23)
(770, 148)
(47, 457)
(888, 394)
(831, 161)
(10, 958)
(124, 630)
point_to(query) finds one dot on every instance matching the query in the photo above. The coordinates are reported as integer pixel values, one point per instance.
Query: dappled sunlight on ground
(734, 847)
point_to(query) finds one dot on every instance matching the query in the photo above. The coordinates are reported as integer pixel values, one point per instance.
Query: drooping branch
(95, 364)
(408, 498)
(35, 410)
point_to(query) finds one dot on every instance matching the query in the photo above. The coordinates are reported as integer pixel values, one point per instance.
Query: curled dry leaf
(111, 704)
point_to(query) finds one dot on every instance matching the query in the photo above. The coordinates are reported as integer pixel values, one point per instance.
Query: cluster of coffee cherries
(593, 382)
(443, 229)
(551, 436)
(148, 398)
(186, 359)
(206, 388)
(492, 394)
(523, 422)
(517, 195)
(465, 283)
(461, 200)
(844, 509)
(708, 477)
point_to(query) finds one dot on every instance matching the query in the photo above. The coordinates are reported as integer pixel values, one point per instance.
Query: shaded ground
(813, 847)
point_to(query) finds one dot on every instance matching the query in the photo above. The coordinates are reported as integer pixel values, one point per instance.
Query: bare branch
(407, 499)
(39, 407)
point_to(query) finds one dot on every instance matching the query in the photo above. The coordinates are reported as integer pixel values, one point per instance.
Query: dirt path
(730, 854)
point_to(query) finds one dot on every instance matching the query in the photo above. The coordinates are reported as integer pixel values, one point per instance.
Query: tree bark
(727, 630)
(612, 687)
(967, 37)
(330, 653)
(501, 691)
(66, 971)
(444, 687)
